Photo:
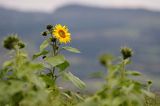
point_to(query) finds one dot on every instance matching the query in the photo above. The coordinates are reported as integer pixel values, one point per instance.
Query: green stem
(123, 70)
(148, 88)
(54, 47)
(129, 103)
(17, 59)
(54, 53)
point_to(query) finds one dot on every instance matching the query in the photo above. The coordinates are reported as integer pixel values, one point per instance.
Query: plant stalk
(123, 70)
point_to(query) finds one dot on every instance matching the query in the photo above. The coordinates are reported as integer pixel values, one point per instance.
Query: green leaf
(63, 66)
(65, 94)
(79, 97)
(149, 94)
(134, 73)
(44, 44)
(71, 49)
(8, 63)
(117, 101)
(47, 80)
(35, 66)
(4, 72)
(44, 52)
(75, 80)
(55, 60)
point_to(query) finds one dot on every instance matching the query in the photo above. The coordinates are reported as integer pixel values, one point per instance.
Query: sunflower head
(61, 33)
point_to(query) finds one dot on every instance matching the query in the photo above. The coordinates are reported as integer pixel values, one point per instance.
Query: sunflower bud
(126, 52)
(49, 27)
(44, 33)
(105, 59)
(10, 42)
(53, 39)
(21, 45)
(149, 82)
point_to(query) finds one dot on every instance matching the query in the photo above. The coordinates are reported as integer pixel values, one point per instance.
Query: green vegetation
(33, 82)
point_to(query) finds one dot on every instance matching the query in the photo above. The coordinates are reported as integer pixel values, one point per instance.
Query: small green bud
(49, 27)
(21, 45)
(44, 33)
(53, 39)
(149, 82)
(126, 52)
(105, 59)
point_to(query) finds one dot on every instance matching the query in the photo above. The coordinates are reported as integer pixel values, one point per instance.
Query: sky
(52, 5)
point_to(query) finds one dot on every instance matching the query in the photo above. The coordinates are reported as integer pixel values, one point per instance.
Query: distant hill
(94, 31)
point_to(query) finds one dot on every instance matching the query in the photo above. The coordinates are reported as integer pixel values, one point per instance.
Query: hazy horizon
(52, 5)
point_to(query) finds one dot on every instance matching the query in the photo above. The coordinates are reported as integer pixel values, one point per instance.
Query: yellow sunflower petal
(61, 33)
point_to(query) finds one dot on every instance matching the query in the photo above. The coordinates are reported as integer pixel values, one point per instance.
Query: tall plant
(120, 89)
(55, 41)
(19, 83)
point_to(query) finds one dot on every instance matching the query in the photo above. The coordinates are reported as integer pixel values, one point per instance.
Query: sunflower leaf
(47, 80)
(75, 80)
(63, 66)
(56, 60)
(133, 73)
(71, 49)
(44, 44)
(44, 52)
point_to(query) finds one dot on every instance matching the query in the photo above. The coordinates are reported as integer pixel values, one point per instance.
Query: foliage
(33, 82)
(26, 82)
(119, 89)
(53, 60)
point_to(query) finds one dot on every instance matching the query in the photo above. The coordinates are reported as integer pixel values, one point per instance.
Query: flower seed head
(126, 52)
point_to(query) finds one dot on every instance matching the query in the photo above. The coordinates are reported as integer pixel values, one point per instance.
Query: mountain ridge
(80, 6)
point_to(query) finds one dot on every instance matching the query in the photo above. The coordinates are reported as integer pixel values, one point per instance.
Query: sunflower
(61, 33)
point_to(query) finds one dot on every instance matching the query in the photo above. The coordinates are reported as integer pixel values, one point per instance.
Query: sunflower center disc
(62, 33)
